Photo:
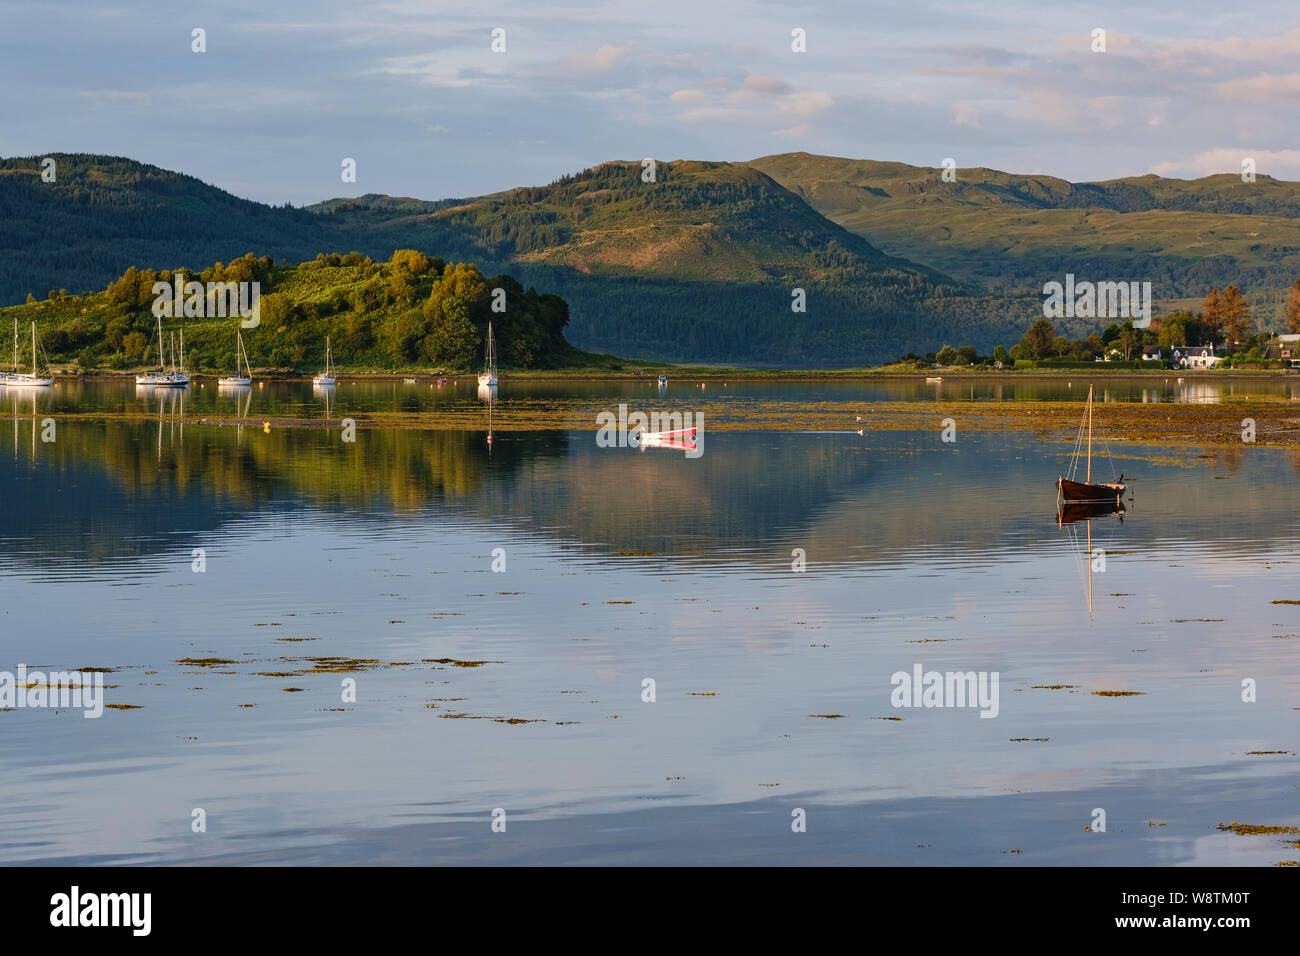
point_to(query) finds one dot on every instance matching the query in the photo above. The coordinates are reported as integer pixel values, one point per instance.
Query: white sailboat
(32, 380)
(176, 377)
(326, 377)
(489, 373)
(238, 379)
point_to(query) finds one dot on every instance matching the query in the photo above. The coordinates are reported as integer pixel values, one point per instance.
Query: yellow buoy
(266, 427)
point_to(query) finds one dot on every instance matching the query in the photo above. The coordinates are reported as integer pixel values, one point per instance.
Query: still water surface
(374, 561)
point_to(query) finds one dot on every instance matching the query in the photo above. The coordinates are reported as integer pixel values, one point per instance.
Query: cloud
(963, 114)
(1264, 88)
(794, 131)
(1278, 163)
(687, 96)
(592, 64)
(765, 84)
(803, 104)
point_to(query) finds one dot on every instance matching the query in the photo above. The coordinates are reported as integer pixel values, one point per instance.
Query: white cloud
(1278, 163)
(1264, 88)
(765, 84)
(805, 103)
(687, 96)
(592, 64)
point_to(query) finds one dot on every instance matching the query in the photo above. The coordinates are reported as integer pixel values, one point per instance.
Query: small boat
(408, 381)
(237, 379)
(934, 380)
(326, 377)
(1083, 492)
(663, 379)
(18, 379)
(489, 373)
(682, 438)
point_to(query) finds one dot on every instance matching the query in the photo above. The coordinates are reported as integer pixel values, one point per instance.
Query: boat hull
(486, 379)
(1081, 511)
(1078, 492)
(235, 382)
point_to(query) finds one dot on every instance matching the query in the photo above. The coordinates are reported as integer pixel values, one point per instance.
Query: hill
(411, 312)
(699, 265)
(1011, 233)
(103, 214)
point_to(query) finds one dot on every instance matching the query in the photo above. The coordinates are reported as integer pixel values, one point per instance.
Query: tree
(1236, 316)
(1128, 341)
(1292, 307)
(1212, 318)
(946, 356)
(1040, 338)
(1000, 354)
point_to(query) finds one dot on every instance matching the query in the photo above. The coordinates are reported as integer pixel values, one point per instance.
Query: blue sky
(414, 93)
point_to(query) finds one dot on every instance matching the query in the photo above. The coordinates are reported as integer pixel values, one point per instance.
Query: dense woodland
(413, 311)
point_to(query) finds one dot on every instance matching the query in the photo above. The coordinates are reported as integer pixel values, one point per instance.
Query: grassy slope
(1017, 231)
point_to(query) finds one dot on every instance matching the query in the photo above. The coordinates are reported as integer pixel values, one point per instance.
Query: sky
(285, 91)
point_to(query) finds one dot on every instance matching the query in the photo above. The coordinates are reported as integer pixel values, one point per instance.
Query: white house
(1196, 356)
(1151, 353)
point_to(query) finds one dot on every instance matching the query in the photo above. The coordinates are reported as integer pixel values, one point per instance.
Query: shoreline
(1277, 422)
(719, 373)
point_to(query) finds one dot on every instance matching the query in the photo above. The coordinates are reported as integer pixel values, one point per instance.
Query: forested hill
(700, 264)
(103, 214)
(411, 312)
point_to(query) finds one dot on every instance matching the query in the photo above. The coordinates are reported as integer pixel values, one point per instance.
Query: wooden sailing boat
(1068, 490)
(489, 373)
(237, 378)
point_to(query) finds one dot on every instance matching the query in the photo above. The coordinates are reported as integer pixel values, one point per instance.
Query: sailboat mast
(33, 348)
(1088, 558)
(1089, 478)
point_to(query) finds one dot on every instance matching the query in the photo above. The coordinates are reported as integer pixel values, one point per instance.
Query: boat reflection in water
(1070, 514)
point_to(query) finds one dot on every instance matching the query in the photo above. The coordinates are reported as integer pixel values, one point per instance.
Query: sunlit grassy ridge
(1014, 232)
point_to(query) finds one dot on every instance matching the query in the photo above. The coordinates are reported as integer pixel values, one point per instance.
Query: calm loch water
(522, 689)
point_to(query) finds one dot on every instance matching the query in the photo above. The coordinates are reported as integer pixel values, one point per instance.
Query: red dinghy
(1081, 492)
(683, 439)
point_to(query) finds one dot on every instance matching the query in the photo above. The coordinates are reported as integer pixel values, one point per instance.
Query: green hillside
(103, 214)
(411, 312)
(1015, 232)
(699, 265)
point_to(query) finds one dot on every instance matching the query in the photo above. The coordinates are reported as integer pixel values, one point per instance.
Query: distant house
(1196, 356)
(1287, 348)
(1152, 354)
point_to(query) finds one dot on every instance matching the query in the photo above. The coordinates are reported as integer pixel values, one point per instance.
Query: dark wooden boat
(1087, 492)
(1070, 512)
